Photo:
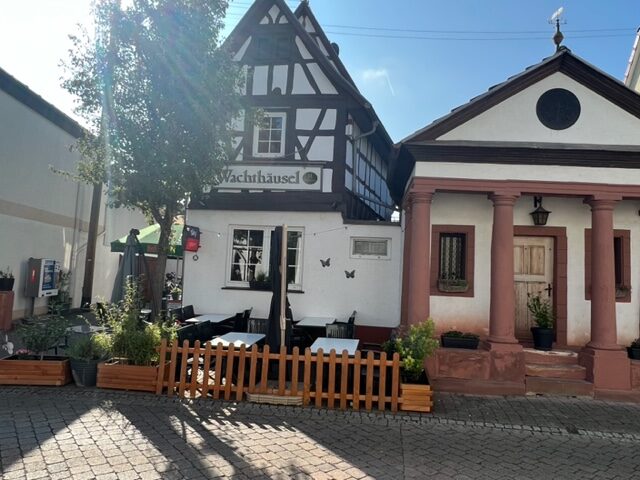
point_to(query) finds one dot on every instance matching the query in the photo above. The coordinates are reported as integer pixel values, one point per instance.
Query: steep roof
(259, 8)
(23, 94)
(563, 61)
(632, 75)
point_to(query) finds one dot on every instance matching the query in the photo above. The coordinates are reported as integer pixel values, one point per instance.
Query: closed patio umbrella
(128, 266)
(275, 329)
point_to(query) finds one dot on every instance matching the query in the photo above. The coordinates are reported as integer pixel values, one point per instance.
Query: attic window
(273, 48)
(558, 109)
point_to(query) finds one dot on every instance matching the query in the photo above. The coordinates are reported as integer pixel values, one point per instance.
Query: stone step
(568, 372)
(554, 357)
(561, 387)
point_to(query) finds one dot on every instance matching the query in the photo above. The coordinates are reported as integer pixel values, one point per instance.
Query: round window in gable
(558, 109)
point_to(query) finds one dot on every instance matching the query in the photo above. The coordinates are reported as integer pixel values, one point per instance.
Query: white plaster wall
(488, 171)
(374, 292)
(515, 119)
(472, 314)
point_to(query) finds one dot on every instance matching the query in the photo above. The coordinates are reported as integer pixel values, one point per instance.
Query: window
(373, 248)
(452, 260)
(268, 140)
(273, 47)
(622, 264)
(250, 248)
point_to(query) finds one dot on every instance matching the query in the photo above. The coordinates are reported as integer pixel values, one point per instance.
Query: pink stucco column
(603, 283)
(503, 302)
(420, 251)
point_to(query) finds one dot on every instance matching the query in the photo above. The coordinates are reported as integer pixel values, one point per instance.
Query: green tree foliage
(414, 346)
(159, 96)
(42, 333)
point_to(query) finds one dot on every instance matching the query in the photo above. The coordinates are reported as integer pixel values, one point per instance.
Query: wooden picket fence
(334, 380)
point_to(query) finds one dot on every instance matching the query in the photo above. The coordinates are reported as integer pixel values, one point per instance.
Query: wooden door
(533, 268)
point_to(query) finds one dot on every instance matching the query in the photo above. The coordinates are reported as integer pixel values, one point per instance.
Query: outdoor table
(87, 329)
(337, 344)
(238, 339)
(315, 322)
(211, 317)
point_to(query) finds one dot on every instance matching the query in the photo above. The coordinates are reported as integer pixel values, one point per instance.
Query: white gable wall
(514, 120)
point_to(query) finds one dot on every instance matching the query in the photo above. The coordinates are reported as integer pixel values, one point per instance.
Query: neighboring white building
(319, 164)
(43, 214)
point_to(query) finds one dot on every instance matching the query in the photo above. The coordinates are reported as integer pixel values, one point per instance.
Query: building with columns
(561, 137)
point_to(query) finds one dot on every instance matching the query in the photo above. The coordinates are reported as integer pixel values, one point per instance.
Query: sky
(414, 60)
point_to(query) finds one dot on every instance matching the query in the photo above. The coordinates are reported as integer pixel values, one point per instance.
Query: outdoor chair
(257, 325)
(206, 331)
(188, 332)
(188, 312)
(178, 314)
(339, 330)
(352, 318)
(297, 336)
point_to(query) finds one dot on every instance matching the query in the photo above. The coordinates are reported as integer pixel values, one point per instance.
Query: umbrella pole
(283, 286)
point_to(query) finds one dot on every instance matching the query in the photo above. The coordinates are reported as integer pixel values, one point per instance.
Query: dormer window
(268, 138)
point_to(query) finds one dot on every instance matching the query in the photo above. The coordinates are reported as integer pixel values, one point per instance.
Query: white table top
(337, 344)
(211, 317)
(315, 321)
(237, 339)
(87, 329)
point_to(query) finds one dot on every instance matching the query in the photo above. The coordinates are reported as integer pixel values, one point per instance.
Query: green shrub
(414, 346)
(43, 333)
(91, 348)
(458, 334)
(541, 311)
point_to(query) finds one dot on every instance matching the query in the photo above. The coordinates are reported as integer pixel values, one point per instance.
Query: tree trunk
(157, 280)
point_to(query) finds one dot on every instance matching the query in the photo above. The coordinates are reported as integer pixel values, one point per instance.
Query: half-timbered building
(316, 160)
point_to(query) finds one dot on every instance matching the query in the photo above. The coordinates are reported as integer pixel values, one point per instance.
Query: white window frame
(256, 134)
(266, 252)
(353, 240)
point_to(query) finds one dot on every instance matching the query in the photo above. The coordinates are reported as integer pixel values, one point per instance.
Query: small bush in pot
(85, 354)
(43, 333)
(414, 346)
(634, 349)
(457, 339)
(542, 313)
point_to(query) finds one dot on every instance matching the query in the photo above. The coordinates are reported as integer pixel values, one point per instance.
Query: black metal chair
(178, 314)
(339, 330)
(257, 325)
(188, 312)
(188, 332)
(206, 331)
(352, 318)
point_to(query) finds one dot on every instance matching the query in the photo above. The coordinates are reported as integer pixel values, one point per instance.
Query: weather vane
(557, 19)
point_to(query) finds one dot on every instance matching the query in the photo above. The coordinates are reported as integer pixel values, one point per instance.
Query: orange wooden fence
(335, 380)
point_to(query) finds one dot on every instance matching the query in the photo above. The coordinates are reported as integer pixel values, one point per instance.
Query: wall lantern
(539, 215)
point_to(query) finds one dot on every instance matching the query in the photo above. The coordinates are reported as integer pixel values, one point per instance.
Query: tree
(160, 96)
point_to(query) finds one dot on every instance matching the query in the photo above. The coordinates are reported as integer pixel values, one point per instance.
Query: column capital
(602, 202)
(504, 197)
(418, 197)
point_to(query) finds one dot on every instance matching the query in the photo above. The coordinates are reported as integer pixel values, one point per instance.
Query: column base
(506, 361)
(606, 369)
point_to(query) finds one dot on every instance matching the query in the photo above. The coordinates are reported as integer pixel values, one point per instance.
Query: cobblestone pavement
(73, 433)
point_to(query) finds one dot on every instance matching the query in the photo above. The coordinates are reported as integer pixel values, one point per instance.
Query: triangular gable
(314, 29)
(565, 67)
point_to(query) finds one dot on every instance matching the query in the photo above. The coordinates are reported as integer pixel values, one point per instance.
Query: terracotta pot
(50, 371)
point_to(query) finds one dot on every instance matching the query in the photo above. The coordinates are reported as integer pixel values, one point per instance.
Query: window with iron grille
(377, 248)
(452, 256)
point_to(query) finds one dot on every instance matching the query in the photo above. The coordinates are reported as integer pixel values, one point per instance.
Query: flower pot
(634, 353)
(542, 338)
(31, 370)
(453, 286)
(459, 342)
(84, 372)
(6, 284)
(415, 397)
(259, 285)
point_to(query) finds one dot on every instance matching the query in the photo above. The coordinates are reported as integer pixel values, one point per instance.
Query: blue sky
(409, 81)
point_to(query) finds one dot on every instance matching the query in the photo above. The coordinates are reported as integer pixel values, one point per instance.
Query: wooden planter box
(50, 371)
(120, 376)
(453, 286)
(415, 397)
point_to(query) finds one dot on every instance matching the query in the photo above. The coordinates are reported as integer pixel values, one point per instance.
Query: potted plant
(456, 339)
(542, 313)
(6, 280)
(134, 346)
(414, 346)
(622, 291)
(260, 282)
(633, 350)
(85, 354)
(176, 293)
(453, 285)
(31, 365)
(60, 304)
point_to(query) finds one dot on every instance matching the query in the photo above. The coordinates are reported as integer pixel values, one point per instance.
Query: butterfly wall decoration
(351, 274)
(326, 263)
